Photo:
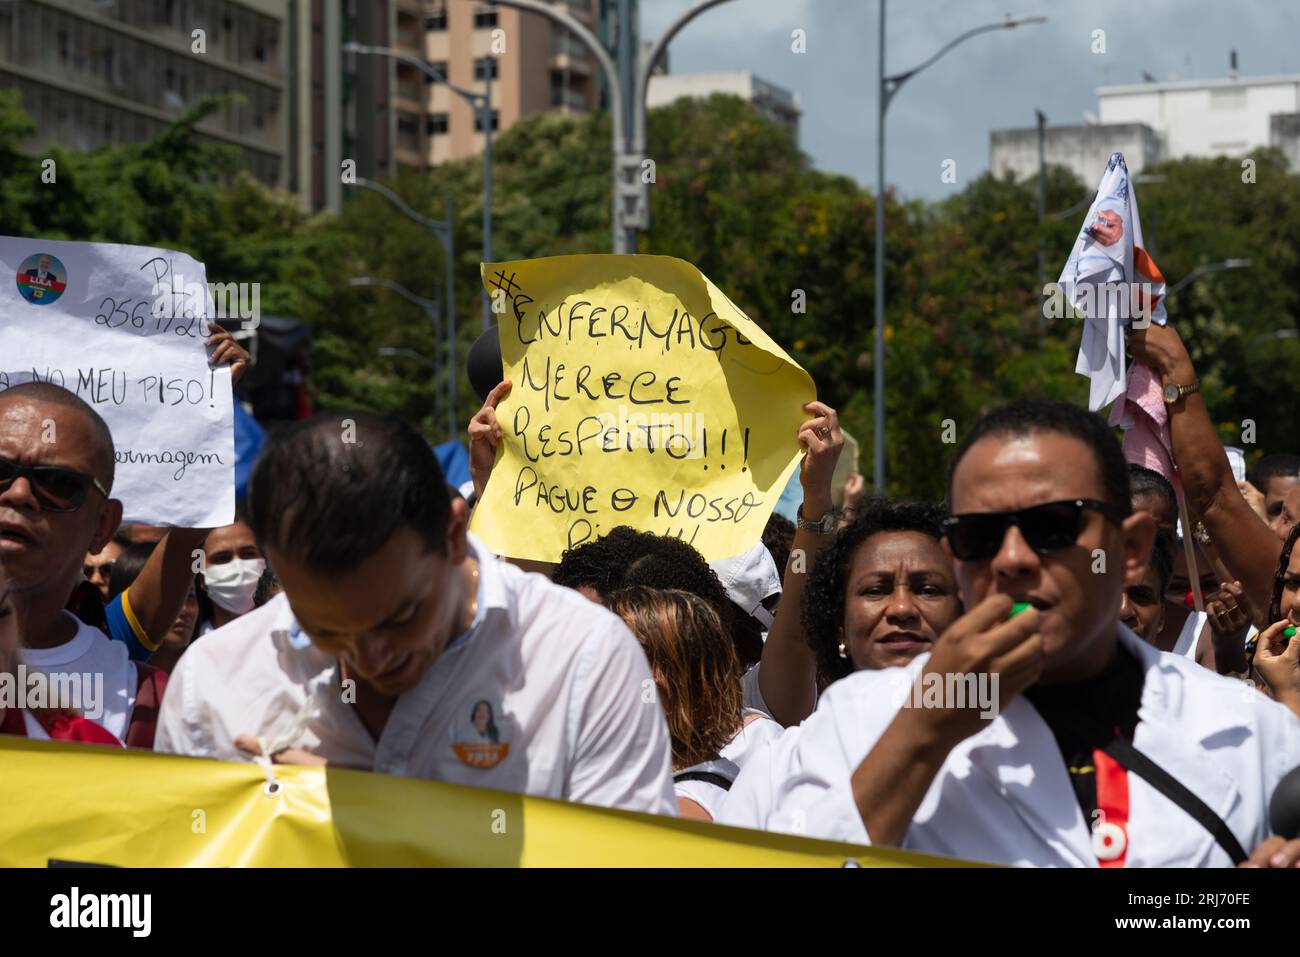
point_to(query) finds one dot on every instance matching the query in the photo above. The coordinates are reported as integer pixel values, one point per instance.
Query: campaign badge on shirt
(482, 741)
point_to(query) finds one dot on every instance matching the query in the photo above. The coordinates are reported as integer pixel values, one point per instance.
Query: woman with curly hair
(698, 680)
(1274, 657)
(882, 591)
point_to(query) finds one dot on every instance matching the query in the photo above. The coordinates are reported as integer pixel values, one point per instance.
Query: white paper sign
(124, 327)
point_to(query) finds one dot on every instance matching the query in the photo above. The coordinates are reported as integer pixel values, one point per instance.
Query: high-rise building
(95, 72)
(534, 65)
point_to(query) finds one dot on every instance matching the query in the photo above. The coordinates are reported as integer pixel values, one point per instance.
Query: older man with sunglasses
(1102, 751)
(56, 477)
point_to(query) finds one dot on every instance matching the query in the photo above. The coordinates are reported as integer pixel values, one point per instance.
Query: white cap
(749, 579)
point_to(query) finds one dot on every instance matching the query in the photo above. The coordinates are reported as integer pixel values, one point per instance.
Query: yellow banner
(641, 396)
(98, 805)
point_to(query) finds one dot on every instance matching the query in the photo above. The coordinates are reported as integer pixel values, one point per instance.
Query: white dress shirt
(565, 680)
(1003, 795)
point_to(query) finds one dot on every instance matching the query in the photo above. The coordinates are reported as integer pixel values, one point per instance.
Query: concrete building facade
(1227, 117)
(1151, 122)
(96, 73)
(1084, 150)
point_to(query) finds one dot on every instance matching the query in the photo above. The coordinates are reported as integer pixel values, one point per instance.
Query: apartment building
(533, 66)
(96, 72)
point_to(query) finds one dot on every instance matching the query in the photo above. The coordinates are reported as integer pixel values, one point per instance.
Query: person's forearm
(787, 677)
(1202, 464)
(1248, 548)
(892, 779)
(159, 591)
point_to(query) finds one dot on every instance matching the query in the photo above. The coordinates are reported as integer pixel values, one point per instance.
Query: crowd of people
(1084, 711)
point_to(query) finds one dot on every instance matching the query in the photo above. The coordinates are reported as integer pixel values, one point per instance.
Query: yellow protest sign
(139, 809)
(641, 396)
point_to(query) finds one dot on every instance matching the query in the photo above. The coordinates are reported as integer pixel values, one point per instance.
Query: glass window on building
(436, 123)
(478, 121)
(485, 17)
(441, 67)
(408, 132)
(435, 21)
(485, 67)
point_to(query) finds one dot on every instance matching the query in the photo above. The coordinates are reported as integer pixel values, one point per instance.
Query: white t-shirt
(561, 677)
(751, 736)
(706, 794)
(97, 674)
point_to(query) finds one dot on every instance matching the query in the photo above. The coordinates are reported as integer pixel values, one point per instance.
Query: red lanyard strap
(1138, 763)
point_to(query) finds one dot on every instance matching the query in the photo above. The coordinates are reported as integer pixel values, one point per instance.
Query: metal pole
(640, 93)
(477, 101)
(560, 15)
(1042, 218)
(435, 315)
(878, 444)
(487, 183)
(886, 88)
(626, 79)
(449, 305)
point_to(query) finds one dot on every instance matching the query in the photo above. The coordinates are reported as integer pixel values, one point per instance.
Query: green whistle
(1288, 631)
(1017, 608)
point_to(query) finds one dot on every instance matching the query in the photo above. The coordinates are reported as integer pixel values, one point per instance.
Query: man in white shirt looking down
(414, 627)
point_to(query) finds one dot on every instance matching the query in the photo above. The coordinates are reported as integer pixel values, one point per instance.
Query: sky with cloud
(992, 81)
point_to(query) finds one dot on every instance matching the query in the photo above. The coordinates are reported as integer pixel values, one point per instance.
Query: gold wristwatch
(1173, 392)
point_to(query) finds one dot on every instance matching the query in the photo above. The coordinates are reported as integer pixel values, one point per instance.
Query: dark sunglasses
(106, 569)
(57, 489)
(1050, 527)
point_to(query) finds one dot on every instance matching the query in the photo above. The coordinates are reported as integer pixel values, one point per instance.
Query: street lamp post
(446, 236)
(1205, 270)
(430, 307)
(631, 194)
(888, 86)
(482, 106)
(1041, 118)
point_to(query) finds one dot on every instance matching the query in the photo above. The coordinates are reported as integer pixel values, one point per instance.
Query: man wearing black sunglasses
(56, 478)
(1090, 714)
(56, 470)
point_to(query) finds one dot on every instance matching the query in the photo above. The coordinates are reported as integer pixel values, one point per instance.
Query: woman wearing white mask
(232, 566)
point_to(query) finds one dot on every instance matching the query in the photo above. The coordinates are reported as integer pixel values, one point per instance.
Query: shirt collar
(491, 593)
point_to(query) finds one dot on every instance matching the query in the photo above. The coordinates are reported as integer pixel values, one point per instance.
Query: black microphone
(1284, 807)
